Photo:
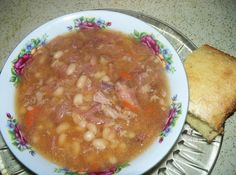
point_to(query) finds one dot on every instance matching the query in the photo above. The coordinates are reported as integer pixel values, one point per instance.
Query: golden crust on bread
(202, 127)
(212, 83)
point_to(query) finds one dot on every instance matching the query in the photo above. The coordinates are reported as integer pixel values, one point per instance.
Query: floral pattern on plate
(16, 135)
(89, 23)
(175, 111)
(112, 171)
(25, 55)
(162, 53)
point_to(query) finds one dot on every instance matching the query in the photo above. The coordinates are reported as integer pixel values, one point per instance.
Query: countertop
(202, 21)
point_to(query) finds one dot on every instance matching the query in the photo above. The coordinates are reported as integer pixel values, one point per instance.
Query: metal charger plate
(190, 155)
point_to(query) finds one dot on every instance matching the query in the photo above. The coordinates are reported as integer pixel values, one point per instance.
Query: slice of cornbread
(212, 82)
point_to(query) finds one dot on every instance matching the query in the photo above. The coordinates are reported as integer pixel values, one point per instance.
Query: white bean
(163, 93)
(85, 107)
(62, 127)
(78, 99)
(29, 108)
(122, 146)
(105, 78)
(22, 110)
(112, 159)
(99, 144)
(81, 81)
(75, 148)
(42, 59)
(103, 60)
(163, 108)
(76, 118)
(62, 139)
(39, 96)
(131, 134)
(58, 92)
(88, 136)
(99, 75)
(71, 68)
(33, 51)
(82, 123)
(108, 134)
(37, 75)
(58, 54)
(77, 128)
(35, 138)
(92, 127)
(161, 101)
(114, 143)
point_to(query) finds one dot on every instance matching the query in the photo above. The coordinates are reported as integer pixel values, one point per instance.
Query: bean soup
(92, 99)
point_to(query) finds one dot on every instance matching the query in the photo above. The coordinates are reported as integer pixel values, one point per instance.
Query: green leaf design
(13, 79)
(17, 80)
(72, 173)
(168, 60)
(12, 135)
(57, 170)
(81, 18)
(121, 167)
(92, 19)
(14, 61)
(142, 34)
(136, 33)
(15, 143)
(45, 36)
(13, 72)
(67, 172)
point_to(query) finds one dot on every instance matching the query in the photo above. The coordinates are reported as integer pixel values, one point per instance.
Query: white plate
(109, 20)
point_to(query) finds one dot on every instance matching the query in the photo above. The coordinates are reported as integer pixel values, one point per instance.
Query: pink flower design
(108, 23)
(151, 43)
(106, 172)
(19, 136)
(88, 25)
(16, 135)
(20, 63)
(171, 116)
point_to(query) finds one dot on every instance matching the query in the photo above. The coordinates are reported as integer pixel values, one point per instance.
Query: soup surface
(93, 99)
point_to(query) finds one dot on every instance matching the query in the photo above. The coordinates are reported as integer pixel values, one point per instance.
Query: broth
(93, 99)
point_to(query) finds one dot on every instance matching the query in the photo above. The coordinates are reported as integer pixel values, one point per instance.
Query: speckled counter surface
(202, 21)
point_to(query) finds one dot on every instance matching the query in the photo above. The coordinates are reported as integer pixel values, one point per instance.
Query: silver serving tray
(190, 155)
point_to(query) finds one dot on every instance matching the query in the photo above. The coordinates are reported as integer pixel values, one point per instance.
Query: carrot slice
(130, 106)
(126, 75)
(30, 116)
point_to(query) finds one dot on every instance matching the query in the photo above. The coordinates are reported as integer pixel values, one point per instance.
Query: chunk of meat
(62, 110)
(97, 120)
(99, 97)
(117, 112)
(106, 86)
(126, 94)
(92, 110)
(90, 115)
(110, 112)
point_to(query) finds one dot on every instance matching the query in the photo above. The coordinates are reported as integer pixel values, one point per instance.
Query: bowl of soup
(93, 92)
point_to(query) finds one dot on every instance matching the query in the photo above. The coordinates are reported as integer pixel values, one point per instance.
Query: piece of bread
(202, 127)
(212, 84)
